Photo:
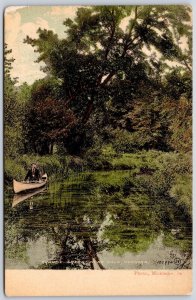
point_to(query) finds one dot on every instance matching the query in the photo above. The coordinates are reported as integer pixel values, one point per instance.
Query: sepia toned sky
(21, 21)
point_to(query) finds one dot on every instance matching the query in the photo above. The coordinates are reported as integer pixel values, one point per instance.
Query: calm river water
(80, 223)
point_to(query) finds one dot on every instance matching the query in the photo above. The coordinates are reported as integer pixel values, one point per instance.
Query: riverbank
(164, 172)
(143, 162)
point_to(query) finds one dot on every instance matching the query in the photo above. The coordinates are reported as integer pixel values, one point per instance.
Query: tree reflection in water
(71, 215)
(75, 253)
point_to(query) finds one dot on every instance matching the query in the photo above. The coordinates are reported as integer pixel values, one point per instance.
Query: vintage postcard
(98, 150)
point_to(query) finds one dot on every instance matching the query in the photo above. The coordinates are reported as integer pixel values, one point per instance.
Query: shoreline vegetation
(167, 173)
(142, 162)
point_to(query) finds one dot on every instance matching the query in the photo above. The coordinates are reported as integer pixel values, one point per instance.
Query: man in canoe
(33, 174)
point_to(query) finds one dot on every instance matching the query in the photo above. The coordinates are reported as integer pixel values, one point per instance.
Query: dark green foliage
(103, 72)
(178, 84)
(13, 144)
(103, 91)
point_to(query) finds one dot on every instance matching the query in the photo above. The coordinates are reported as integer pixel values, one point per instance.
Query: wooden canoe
(19, 186)
(24, 196)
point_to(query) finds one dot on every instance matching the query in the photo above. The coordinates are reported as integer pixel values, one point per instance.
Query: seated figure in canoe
(33, 180)
(33, 174)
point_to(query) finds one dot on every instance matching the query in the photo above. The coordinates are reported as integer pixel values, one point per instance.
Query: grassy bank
(17, 168)
(161, 172)
(141, 161)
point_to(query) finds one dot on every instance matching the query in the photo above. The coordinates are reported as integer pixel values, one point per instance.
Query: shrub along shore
(143, 162)
(166, 172)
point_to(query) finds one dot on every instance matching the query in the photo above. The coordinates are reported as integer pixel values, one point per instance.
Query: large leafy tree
(12, 110)
(9, 88)
(111, 51)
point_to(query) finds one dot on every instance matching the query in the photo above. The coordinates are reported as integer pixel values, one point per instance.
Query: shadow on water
(96, 221)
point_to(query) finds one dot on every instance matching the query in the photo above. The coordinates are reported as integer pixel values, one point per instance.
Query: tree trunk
(88, 112)
(51, 148)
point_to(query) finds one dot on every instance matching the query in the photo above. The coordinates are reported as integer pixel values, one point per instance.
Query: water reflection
(17, 198)
(88, 222)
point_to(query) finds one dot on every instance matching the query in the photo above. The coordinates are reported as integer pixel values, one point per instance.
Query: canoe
(20, 186)
(24, 196)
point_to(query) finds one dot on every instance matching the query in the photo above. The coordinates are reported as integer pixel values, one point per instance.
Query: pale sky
(21, 21)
